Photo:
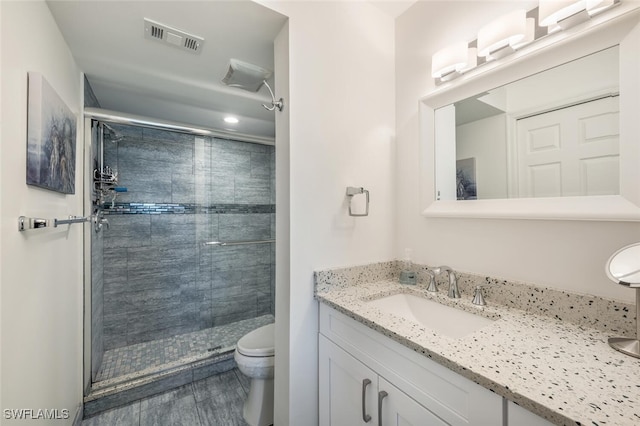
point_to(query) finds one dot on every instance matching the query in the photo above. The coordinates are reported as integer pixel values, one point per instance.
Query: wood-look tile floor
(214, 401)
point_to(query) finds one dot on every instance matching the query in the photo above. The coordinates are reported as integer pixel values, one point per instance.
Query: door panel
(569, 152)
(398, 409)
(341, 388)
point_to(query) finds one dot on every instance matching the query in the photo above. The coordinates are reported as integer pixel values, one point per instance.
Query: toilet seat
(258, 343)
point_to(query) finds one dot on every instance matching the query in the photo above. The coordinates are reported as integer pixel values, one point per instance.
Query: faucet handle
(478, 298)
(432, 281)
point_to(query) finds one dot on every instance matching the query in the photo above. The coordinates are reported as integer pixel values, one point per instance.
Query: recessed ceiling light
(231, 120)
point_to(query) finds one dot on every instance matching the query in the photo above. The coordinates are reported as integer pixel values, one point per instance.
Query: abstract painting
(51, 138)
(466, 179)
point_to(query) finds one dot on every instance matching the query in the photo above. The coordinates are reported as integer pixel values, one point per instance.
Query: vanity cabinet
(353, 394)
(358, 366)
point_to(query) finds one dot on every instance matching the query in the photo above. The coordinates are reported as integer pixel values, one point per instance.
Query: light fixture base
(450, 76)
(573, 20)
(629, 347)
(502, 52)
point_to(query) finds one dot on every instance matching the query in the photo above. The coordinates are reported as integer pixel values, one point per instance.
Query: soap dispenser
(407, 270)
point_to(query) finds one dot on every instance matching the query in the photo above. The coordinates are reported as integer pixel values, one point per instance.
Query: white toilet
(255, 358)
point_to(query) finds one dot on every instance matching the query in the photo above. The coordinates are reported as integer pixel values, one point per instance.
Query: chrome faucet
(453, 293)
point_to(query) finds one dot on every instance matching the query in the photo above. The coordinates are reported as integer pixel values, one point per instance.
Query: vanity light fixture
(529, 34)
(451, 59)
(512, 31)
(498, 38)
(567, 13)
(603, 5)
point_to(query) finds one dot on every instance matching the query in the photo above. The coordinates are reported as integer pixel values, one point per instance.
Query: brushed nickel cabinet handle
(365, 416)
(381, 395)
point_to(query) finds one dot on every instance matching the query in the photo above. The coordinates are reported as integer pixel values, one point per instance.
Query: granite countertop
(559, 370)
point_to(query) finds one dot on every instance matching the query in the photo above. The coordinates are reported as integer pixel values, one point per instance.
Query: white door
(398, 409)
(569, 152)
(343, 380)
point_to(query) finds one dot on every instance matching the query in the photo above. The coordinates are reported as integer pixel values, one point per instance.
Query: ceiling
(132, 74)
(474, 109)
(393, 8)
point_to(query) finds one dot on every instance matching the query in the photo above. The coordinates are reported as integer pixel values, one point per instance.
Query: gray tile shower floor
(137, 358)
(214, 401)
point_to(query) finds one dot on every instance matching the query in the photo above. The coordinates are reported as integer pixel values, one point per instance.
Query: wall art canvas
(51, 138)
(466, 179)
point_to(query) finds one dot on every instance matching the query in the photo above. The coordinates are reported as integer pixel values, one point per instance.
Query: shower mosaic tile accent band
(161, 208)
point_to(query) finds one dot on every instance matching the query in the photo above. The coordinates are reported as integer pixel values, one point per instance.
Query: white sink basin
(442, 319)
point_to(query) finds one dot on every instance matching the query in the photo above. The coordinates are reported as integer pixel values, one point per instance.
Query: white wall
(283, 266)
(567, 255)
(486, 141)
(41, 272)
(341, 110)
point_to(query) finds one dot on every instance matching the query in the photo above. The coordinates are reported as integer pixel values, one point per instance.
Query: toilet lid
(258, 342)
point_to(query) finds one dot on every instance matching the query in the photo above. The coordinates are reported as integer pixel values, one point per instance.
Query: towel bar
(26, 223)
(351, 192)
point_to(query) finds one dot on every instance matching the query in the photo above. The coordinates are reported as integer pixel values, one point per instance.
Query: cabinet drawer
(453, 398)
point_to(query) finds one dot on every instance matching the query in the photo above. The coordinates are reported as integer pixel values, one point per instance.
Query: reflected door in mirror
(552, 134)
(572, 151)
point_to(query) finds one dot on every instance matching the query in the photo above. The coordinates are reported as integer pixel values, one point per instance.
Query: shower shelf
(106, 177)
(105, 182)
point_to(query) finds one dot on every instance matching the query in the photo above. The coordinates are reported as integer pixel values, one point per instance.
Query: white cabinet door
(397, 409)
(343, 380)
(518, 416)
(352, 394)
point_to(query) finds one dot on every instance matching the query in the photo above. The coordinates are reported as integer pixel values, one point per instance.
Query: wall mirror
(549, 133)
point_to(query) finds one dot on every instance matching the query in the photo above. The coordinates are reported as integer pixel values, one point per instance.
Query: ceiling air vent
(172, 36)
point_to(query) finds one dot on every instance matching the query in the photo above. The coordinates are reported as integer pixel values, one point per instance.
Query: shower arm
(274, 104)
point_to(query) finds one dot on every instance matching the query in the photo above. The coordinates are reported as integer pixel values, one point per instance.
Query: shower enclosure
(182, 252)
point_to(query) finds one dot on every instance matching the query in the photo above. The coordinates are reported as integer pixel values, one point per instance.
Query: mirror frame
(619, 26)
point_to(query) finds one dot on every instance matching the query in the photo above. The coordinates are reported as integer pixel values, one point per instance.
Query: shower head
(114, 135)
(245, 76)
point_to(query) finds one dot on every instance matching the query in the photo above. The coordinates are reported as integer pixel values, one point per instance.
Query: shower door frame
(87, 205)
(107, 116)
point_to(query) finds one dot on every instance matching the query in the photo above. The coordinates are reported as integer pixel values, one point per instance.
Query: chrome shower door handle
(381, 395)
(365, 417)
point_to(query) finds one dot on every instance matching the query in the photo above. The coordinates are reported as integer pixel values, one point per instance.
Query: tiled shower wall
(159, 279)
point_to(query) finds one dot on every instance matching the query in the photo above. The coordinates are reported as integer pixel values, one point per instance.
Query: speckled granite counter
(562, 370)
